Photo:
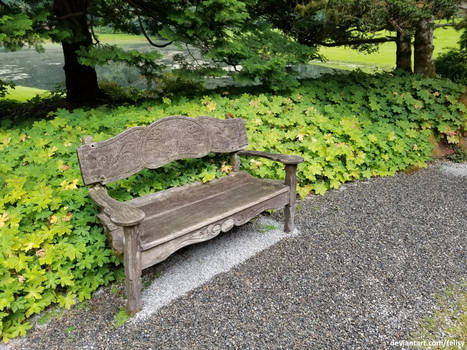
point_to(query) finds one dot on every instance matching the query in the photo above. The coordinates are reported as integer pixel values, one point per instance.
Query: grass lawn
(121, 38)
(385, 58)
(23, 93)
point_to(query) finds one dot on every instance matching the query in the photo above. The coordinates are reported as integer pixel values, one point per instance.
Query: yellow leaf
(69, 185)
(255, 164)
(4, 218)
(40, 252)
(68, 216)
(372, 138)
(226, 168)
(328, 138)
(51, 151)
(53, 219)
(211, 106)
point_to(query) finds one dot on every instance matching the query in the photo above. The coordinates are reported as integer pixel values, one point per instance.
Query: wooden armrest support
(283, 158)
(120, 214)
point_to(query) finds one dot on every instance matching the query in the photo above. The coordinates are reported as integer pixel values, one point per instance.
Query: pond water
(44, 70)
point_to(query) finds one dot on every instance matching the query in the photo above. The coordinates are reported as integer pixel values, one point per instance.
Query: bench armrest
(283, 158)
(121, 214)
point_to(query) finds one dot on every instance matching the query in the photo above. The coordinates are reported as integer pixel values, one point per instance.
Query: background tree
(17, 29)
(260, 40)
(223, 30)
(80, 80)
(363, 24)
(65, 21)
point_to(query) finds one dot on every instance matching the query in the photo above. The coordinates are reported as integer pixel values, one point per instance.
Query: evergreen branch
(359, 41)
(192, 56)
(147, 36)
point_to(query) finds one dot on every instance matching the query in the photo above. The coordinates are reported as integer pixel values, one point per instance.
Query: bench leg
(289, 210)
(132, 262)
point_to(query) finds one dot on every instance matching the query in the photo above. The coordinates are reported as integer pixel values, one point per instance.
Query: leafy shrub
(180, 81)
(52, 249)
(4, 85)
(453, 65)
(119, 94)
(459, 155)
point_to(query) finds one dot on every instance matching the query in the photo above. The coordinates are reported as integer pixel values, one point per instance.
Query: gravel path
(362, 271)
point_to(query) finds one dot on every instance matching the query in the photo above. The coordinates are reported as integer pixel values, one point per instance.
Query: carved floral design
(173, 139)
(163, 141)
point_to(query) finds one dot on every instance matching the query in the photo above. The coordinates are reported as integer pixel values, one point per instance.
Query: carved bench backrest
(162, 142)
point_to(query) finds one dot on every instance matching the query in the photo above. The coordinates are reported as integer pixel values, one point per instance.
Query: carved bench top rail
(165, 140)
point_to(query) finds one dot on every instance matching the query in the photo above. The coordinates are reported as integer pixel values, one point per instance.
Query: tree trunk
(81, 81)
(404, 52)
(423, 48)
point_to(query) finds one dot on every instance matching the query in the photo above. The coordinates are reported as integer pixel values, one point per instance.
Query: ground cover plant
(347, 127)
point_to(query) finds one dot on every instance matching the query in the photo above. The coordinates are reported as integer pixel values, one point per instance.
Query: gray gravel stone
(455, 169)
(361, 273)
(198, 265)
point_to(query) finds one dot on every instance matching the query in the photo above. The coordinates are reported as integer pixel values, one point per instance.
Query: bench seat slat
(176, 212)
(174, 197)
(161, 252)
(192, 216)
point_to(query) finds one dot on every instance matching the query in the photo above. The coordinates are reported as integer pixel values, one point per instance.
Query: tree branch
(440, 25)
(359, 41)
(148, 38)
(192, 56)
(91, 27)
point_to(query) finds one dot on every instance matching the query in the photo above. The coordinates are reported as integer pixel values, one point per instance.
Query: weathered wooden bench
(148, 229)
